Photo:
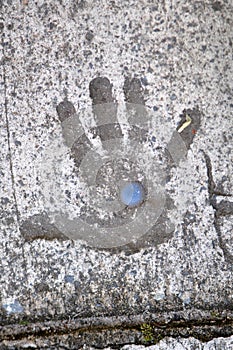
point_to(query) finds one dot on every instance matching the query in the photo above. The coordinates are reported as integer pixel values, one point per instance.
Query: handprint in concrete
(122, 159)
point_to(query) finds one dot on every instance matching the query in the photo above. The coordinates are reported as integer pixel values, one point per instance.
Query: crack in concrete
(10, 154)
(8, 133)
(104, 331)
(224, 208)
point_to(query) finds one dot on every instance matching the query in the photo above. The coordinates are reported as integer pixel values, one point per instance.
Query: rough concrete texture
(184, 344)
(182, 54)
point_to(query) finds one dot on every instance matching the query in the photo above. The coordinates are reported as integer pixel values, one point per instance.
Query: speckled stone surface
(183, 344)
(182, 54)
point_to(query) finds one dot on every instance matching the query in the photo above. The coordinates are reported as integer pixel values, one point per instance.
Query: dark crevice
(100, 333)
(228, 256)
(222, 209)
(211, 184)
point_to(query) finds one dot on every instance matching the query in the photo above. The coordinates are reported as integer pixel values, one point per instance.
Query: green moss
(214, 314)
(23, 323)
(147, 332)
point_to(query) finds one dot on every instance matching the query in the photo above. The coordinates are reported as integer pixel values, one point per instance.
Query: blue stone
(132, 194)
(153, 139)
(69, 279)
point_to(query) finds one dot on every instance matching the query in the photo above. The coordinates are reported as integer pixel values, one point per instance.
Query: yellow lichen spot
(187, 123)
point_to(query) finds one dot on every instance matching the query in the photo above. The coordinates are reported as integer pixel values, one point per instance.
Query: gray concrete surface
(167, 343)
(63, 291)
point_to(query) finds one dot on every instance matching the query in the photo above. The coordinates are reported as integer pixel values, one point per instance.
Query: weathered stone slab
(173, 59)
